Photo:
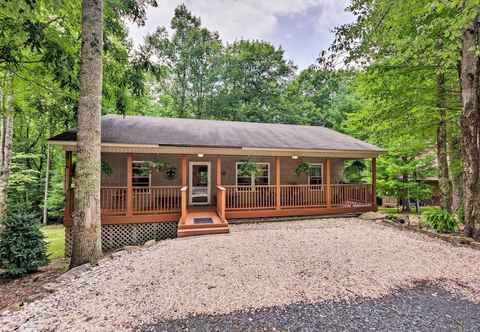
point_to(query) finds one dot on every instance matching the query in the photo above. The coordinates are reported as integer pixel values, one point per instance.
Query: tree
(86, 239)
(470, 124)
(406, 38)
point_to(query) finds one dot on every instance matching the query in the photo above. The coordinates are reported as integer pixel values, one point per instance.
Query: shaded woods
(404, 75)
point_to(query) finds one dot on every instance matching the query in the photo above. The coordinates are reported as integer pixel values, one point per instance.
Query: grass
(55, 236)
(394, 211)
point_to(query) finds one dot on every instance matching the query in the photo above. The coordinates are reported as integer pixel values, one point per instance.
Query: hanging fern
(303, 168)
(106, 168)
(249, 168)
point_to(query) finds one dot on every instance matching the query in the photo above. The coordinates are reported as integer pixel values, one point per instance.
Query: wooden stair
(188, 228)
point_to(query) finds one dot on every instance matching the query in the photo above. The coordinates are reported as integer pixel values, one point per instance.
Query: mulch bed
(14, 293)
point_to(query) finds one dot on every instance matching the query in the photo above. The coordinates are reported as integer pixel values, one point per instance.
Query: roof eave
(247, 151)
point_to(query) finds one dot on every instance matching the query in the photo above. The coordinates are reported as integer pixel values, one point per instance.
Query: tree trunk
(455, 155)
(469, 125)
(6, 137)
(45, 193)
(86, 244)
(443, 172)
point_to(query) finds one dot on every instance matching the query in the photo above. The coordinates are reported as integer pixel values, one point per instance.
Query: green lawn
(423, 210)
(55, 236)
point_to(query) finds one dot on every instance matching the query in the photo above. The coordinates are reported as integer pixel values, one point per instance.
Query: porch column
(183, 190)
(67, 187)
(277, 184)
(328, 182)
(129, 185)
(218, 181)
(374, 184)
(184, 172)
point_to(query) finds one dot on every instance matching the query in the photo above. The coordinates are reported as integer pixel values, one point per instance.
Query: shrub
(22, 244)
(441, 221)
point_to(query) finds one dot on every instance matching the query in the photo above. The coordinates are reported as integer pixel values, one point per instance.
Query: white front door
(199, 183)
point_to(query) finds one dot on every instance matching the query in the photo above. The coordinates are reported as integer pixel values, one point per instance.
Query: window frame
(252, 177)
(321, 175)
(136, 176)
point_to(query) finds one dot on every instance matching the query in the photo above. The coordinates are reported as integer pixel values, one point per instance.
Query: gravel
(256, 266)
(423, 308)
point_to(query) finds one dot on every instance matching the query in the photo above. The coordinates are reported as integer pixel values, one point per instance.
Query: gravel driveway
(271, 265)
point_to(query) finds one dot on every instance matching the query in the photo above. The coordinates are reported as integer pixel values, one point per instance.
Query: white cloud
(253, 19)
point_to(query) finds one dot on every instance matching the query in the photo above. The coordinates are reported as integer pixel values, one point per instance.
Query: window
(261, 178)
(141, 174)
(315, 176)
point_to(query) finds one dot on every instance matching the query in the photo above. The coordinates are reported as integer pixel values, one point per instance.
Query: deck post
(218, 180)
(129, 185)
(67, 187)
(328, 182)
(374, 184)
(184, 172)
(277, 184)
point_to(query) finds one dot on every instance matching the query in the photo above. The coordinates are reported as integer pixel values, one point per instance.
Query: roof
(143, 130)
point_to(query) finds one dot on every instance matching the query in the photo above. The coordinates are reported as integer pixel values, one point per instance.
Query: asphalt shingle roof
(220, 134)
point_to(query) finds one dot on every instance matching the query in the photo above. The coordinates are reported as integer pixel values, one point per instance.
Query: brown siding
(118, 164)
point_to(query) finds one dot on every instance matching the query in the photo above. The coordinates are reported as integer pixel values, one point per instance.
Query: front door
(199, 183)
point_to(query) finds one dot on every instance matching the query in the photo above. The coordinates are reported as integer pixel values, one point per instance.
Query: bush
(22, 244)
(441, 221)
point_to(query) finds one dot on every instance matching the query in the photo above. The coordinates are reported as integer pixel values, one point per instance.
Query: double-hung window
(261, 176)
(141, 174)
(315, 176)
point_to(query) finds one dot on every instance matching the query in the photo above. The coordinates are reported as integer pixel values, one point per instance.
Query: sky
(301, 27)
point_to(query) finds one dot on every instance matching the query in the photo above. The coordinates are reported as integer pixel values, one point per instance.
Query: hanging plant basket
(303, 168)
(249, 168)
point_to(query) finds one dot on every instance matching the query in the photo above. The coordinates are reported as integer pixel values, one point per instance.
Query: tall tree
(6, 138)
(86, 246)
(470, 125)
(386, 34)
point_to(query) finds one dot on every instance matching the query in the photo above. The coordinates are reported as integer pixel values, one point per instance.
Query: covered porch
(211, 191)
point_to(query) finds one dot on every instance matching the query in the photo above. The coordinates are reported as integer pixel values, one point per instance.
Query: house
(167, 177)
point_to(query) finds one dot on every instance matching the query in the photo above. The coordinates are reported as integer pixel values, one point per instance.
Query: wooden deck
(187, 226)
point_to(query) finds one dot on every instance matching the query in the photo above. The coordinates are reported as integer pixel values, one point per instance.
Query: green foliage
(249, 168)
(441, 221)
(22, 244)
(55, 238)
(355, 171)
(106, 168)
(303, 168)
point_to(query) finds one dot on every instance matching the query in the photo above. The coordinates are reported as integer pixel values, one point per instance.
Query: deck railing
(351, 195)
(150, 200)
(167, 199)
(250, 197)
(298, 196)
(113, 200)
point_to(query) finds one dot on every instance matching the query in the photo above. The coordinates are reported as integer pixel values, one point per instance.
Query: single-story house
(166, 177)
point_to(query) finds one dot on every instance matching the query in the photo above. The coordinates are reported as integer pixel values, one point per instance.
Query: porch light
(200, 155)
(295, 157)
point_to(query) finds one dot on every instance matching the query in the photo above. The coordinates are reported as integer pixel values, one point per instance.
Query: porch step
(189, 228)
(200, 226)
(203, 231)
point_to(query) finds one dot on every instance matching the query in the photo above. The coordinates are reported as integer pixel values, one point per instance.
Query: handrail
(298, 196)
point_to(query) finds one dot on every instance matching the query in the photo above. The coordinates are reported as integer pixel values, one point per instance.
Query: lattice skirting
(117, 236)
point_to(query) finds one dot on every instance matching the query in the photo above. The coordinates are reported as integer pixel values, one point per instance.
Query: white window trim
(252, 177)
(149, 173)
(321, 173)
